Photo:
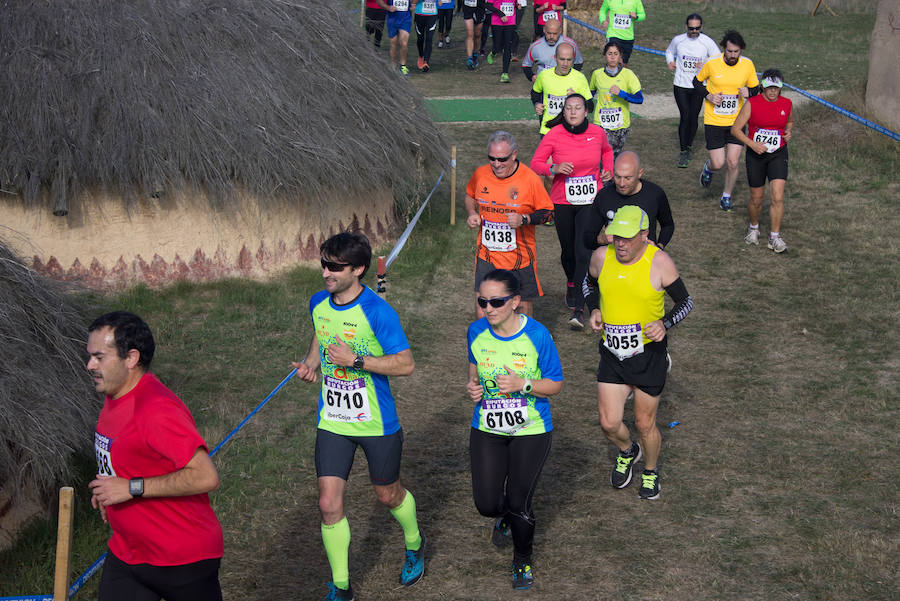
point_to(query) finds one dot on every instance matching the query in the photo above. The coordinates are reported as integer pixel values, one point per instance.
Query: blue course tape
(29, 598)
(879, 128)
(409, 228)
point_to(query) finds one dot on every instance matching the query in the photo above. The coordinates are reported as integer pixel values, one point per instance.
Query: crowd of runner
(154, 471)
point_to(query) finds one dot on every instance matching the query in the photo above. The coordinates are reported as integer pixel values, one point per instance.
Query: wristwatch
(358, 362)
(136, 487)
(527, 388)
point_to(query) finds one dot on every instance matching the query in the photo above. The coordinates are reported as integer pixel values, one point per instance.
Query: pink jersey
(586, 151)
(508, 7)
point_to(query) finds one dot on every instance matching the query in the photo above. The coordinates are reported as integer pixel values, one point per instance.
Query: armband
(683, 303)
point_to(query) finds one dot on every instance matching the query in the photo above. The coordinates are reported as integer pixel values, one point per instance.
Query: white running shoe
(752, 236)
(777, 244)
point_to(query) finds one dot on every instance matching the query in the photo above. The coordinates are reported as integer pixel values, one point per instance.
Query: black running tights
(689, 102)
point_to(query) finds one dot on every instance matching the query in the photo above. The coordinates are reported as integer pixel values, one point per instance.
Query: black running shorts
(769, 165)
(646, 371)
(334, 455)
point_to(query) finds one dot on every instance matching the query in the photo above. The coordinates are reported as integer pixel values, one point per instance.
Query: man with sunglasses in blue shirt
(358, 342)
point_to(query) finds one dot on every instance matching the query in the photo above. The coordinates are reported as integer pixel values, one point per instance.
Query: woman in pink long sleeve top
(576, 153)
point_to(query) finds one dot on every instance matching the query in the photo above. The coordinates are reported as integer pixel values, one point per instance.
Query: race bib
(104, 459)
(729, 105)
(581, 190)
(691, 63)
(623, 341)
(621, 21)
(611, 118)
(555, 104)
(551, 15)
(345, 400)
(770, 137)
(497, 236)
(429, 7)
(508, 8)
(401, 5)
(504, 416)
(471, 3)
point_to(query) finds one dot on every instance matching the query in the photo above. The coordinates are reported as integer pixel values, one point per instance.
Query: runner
(399, 23)
(551, 86)
(685, 55)
(375, 16)
(616, 86)
(618, 17)
(473, 17)
(445, 20)
(730, 78)
(546, 11)
(358, 343)
(542, 52)
(505, 200)
(769, 120)
(426, 20)
(582, 161)
(633, 276)
(153, 475)
(503, 29)
(513, 368)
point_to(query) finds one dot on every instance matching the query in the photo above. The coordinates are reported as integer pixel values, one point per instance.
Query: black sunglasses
(494, 302)
(501, 159)
(332, 266)
(695, 28)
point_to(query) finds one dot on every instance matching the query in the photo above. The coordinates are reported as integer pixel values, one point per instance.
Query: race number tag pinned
(555, 104)
(691, 64)
(508, 8)
(770, 137)
(401, 5)
(624, 341)
(345, 400)
(581, 190)
(621, 21)
(104, 458)
(611, 118)
(728, 106)
(498, 236)
(506, 415)
(551, 15)
(429, 7)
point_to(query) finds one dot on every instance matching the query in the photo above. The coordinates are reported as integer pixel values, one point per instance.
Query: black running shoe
(649, 485)
(501, 535)
(620, 477)
(522, 578)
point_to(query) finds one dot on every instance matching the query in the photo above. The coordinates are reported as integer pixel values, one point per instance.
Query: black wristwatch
(358, 362)
(136, 487)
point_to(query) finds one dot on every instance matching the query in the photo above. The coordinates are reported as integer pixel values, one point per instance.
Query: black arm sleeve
(666, 222)
(536, 97)
(491, 9)
(538, 217)
(592, 298)
(595, 222)
(579, 66)
(700, 87)
(589, 105)
(529, 72)
(683, 303)
(754, 91)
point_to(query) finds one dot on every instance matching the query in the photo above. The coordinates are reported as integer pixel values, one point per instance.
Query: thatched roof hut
(48, 406)
(160, 139)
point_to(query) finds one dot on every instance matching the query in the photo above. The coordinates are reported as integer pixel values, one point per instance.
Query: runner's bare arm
(307, 367)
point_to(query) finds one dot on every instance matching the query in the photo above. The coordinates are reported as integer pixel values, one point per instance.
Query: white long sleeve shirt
(689, 55)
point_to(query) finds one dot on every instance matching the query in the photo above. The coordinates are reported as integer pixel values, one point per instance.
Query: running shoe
(490, 58)
(514, 58)
(549, 223)
(649, 485)
(339, 594)
(501, 535)
(683, 159)
(570, 296)
(426, 67)
(522, 578)
(752, 236)
(440, 43)
(504, 78)
(690, 153)
(470, 64)
(413, 565)
(668, 362)
(777, 244)
(404, 71)
(481, 51)
(706, 175)
(576, 322)
(621, 474)
(725, 204)
(421, 62)
(447, 41)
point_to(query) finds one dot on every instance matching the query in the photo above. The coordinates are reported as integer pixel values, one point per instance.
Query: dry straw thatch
(48, 406)
(280, 99)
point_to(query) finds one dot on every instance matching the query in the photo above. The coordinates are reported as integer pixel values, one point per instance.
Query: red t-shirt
(553, 14)
(149, 432)
(767, 115)
(589, 152)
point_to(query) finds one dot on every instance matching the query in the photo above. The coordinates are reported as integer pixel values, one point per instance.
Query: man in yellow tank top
(632, 277)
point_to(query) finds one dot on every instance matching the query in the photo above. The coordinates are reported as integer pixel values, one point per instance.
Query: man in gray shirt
(542, 53)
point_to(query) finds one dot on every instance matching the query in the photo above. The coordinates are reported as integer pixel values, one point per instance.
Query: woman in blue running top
(513, 368)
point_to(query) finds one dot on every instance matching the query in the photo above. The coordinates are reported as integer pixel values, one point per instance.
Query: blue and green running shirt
(356, 402)
(532, 354)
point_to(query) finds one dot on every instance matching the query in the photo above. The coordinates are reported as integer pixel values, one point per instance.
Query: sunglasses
(494, 302)
(501, 159)
(332, 266)
(695, 28)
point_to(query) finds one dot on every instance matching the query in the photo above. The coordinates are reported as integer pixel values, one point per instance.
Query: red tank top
(770, 117)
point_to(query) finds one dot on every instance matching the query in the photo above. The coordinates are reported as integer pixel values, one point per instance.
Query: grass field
(780, 482)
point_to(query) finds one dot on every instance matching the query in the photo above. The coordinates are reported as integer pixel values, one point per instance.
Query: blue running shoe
(725, 204)
(470, 64)
(413, 565)
(522, 578)
(339, 594)
(706, 175)
(501, 536)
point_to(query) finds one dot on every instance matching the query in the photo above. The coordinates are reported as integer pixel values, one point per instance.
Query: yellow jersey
(723, 79)
(628, 302)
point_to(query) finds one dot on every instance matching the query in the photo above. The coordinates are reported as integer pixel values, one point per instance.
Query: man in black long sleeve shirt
(630, 189)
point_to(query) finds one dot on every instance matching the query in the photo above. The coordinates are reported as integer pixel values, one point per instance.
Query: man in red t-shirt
(153, 475)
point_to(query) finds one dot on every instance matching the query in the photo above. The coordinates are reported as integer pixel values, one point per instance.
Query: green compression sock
(337, 547)
(405, 513)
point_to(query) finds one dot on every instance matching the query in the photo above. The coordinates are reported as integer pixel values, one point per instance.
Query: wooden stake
(819, 3)
(565, 22)
(381, 286)
(63, 544)
(362, 13)
(453, 185)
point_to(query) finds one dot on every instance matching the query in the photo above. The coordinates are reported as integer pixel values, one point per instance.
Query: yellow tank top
(628, 300)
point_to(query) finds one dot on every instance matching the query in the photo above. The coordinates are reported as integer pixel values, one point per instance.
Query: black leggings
(425, 26)
(143, 582)
(505, 471)
(445, 20)
(375, 23)
(689, 102)
(570, 221)
(504, 37)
